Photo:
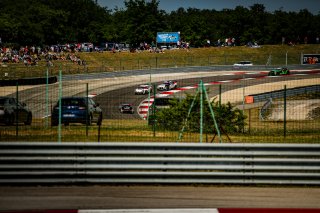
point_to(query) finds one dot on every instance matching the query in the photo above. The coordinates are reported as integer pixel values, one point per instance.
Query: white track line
(213, 210)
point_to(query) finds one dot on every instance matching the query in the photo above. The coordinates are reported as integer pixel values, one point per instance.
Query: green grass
(139, 131)
(108, 62)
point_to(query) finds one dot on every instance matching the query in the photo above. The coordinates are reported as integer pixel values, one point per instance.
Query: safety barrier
(280, 93)
(28, 81)
(165, 163)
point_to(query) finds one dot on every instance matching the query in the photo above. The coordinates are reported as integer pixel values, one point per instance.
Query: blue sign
(168, 37)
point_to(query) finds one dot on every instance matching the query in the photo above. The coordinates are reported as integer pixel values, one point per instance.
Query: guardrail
(289, 92)
(169, 163)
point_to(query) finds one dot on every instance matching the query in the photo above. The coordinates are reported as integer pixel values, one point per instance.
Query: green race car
(279, 71)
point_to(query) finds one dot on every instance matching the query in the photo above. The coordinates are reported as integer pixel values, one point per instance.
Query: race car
(167, 85)
(279, 71)
(143, 89)
(126, 108)
(242, 64)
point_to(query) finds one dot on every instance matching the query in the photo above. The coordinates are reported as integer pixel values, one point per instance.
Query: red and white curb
(190, 210)
(143, 107)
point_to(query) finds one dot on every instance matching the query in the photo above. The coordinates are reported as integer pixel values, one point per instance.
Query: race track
(110, 101)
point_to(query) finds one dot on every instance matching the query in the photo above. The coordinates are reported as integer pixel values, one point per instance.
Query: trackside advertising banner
(310, 59)
(168, 37)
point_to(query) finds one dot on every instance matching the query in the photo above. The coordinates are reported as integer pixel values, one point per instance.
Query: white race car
(143, 89)
(243, 64)
(167, 85)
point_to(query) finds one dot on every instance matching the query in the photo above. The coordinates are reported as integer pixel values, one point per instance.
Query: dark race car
(13, 111)
(126, 108)
(279, 71)
(77, 110)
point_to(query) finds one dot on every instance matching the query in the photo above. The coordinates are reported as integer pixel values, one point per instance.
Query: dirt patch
(296, 110)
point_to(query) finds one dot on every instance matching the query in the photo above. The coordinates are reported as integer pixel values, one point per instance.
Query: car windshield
(73, 102)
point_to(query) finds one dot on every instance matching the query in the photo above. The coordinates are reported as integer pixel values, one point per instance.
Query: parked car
(143, 89)
(168, 85)
(243, 64)
(77, 110)
(126, 108)
(13, 111)
(279, 71)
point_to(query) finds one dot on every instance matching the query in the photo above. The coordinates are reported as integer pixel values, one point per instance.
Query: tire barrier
(29, 81)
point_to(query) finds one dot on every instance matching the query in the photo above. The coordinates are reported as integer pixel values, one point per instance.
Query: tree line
(47, 22)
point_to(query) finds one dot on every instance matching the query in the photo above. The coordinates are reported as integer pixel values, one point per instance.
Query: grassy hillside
(108, 61)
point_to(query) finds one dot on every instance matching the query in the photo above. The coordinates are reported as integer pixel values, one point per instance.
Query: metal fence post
(220, 95)
(87, 113)
(201, 110)
(47, 99)
(285, 111)
(154, 111)
(60, 105)
(17, 106)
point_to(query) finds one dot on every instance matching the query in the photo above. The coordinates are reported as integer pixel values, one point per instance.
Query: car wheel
(99, 120)
(12, 119)
(8, 120)
(89, 121)
(54, 123)
(29, 119)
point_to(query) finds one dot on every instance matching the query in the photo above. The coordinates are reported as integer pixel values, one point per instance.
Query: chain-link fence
(153, 61)
(285, 119)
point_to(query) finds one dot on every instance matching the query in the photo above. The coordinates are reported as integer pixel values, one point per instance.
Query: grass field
(139, 131)
(108, 61)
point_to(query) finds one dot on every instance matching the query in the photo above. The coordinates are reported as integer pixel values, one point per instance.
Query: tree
(46, 22)
(144, 20)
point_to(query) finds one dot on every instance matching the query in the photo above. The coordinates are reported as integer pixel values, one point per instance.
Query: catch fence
(289, 118)
(101, 63)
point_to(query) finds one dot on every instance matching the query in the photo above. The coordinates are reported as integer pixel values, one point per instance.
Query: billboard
(168, 37)
(310, 59)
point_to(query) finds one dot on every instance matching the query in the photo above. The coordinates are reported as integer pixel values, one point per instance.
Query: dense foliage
(228, 118)
(40, 22)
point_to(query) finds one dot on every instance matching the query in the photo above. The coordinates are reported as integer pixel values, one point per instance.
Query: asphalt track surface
(156, 197)
(159, 196)
(110, 101)
(114, 88)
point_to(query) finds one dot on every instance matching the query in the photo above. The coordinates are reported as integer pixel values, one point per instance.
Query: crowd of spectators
(31, 55)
